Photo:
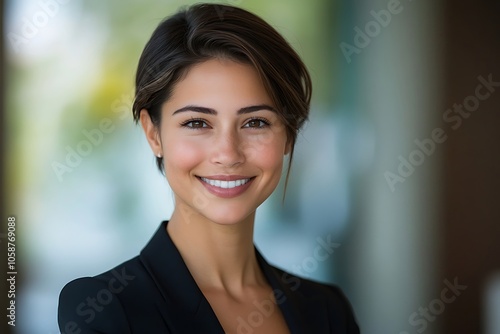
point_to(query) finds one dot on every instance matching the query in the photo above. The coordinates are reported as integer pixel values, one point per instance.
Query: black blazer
(155, 293)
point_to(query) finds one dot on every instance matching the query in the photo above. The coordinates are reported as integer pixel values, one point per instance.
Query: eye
(257, 123)
(195, 124)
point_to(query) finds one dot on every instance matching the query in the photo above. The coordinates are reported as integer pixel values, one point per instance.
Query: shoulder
(92, 304)
(339, 308)
(88, 305)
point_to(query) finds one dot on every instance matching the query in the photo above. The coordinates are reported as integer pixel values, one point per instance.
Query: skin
(214, 234)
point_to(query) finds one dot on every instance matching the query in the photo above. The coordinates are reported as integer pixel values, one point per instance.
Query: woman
(221, 97)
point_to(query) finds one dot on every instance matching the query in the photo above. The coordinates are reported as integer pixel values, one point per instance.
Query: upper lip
(226, 177)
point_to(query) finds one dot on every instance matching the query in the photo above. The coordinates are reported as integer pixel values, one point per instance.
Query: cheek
(266, 151)
(182, 155)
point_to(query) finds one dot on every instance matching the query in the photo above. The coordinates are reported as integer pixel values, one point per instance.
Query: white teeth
(225, 184)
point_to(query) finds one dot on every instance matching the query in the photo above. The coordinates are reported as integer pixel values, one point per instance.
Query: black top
(155, 293)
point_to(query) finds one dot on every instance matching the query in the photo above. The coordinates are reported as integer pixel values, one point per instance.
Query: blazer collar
(291, 303)
(184, 301)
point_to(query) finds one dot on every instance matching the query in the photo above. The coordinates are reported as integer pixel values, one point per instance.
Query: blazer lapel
(302, 313)
(185, 309)
(182, 306)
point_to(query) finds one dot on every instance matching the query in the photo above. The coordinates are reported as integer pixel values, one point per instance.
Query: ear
(151, 132)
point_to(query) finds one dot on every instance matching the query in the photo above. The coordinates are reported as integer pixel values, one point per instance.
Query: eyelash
(187, 123)
(192, 120)
(265, 122)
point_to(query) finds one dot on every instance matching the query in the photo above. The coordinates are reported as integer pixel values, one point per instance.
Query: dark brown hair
(206, 31)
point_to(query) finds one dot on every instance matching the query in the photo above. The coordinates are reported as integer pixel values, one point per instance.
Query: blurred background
(397, 170)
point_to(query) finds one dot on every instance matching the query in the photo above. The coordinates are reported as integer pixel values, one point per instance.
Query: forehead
(219, 84)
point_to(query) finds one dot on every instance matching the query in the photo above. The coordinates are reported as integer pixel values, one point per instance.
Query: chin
(227, 216)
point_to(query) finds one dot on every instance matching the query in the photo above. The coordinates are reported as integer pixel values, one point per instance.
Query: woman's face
(222, 142)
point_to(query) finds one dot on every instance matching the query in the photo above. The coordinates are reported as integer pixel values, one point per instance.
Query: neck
(218, 256)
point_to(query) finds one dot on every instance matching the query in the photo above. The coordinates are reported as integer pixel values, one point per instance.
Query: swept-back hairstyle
(206, 31)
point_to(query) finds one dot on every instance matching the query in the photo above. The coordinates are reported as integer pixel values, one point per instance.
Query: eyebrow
(210, 111)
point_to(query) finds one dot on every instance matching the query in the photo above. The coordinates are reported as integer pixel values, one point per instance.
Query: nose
(227, 150)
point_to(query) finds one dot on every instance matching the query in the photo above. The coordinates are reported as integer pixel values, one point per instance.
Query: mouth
(226, 186)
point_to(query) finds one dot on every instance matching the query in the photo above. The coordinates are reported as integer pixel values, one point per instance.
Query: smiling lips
(226, 186)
